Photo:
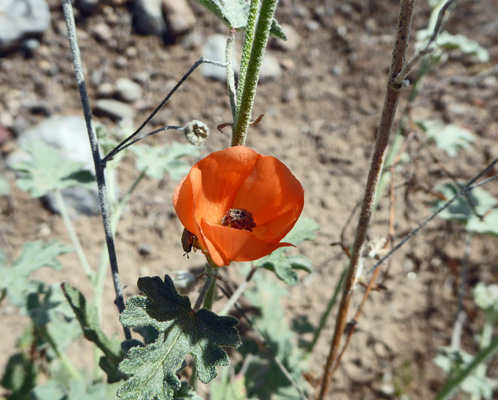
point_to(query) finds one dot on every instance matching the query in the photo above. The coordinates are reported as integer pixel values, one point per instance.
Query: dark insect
(188, 239)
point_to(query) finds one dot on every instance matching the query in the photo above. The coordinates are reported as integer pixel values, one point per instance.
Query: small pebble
(127, 90)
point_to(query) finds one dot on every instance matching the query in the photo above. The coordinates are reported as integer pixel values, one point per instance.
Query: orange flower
(239, 204)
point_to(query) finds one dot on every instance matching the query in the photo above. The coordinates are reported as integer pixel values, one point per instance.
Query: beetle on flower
(238, 204)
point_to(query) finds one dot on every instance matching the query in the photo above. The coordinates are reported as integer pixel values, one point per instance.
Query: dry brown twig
(383, 134)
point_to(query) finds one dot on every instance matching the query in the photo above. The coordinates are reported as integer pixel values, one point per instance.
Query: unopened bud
(196, 132)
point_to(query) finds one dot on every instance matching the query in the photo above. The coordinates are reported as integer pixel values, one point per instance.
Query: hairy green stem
(246, 103)
(246, 50)
(73, 236)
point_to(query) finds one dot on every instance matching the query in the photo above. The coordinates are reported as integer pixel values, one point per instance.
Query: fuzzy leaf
(450, 138)
(34, 256)
(186, 393)
(285, 266)
(181, 331)
(461, 42)
(460, 210)
(234, 13)
(87, 316)
(263, 377)
(156, 161)
(227, 387)
(4, 186)
(47, 171)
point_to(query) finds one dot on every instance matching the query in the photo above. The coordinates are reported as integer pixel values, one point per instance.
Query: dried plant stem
(125, 143)
(240, 290)
(427, 48)
(470, 186)
(384, 131)
(99, 172)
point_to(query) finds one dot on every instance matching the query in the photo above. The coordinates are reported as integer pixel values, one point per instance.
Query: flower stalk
(247, 91)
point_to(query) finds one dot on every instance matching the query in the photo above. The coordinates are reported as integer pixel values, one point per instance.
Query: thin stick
(429, 219)
(99, 172)
(427, 48)
(240, 290)
(140, 137)
(121, 145)
(383, 134)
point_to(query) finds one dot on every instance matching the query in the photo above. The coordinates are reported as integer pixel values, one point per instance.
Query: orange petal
(183, 202)
(234, 244)
(275, 230)
(216, 179)
(269, 192)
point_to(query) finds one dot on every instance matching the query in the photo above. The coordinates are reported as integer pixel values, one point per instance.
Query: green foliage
(263, 377)
(228, 387)
(186, 393)
(486, 297)
(453, 361)
(181, 331)
(74, 390)
(450, 138)
(156, 161)
(14, 278)
(483, 204)
(461, 42)
(47, 171)
(285, 266)
(86, 314)
(4, 186)
(234, 13)
(448, 41)
(19, 377)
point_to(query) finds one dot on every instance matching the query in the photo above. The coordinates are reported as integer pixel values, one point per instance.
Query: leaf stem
(383, 134)
(99, 172)
(73, 236)
(250, 81)
(209, 272)
(68, 365)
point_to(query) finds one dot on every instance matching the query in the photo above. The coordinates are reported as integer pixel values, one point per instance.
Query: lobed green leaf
(156, 161)
(47, 171)
(481, 217)
(152, 369)
(285, 266)
(234, 13)
(14, 278)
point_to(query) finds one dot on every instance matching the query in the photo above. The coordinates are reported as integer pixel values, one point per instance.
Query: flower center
(238, 218)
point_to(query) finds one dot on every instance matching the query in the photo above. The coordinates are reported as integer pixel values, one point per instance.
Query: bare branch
(383, 134)
(427, 48)
(99, 172)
